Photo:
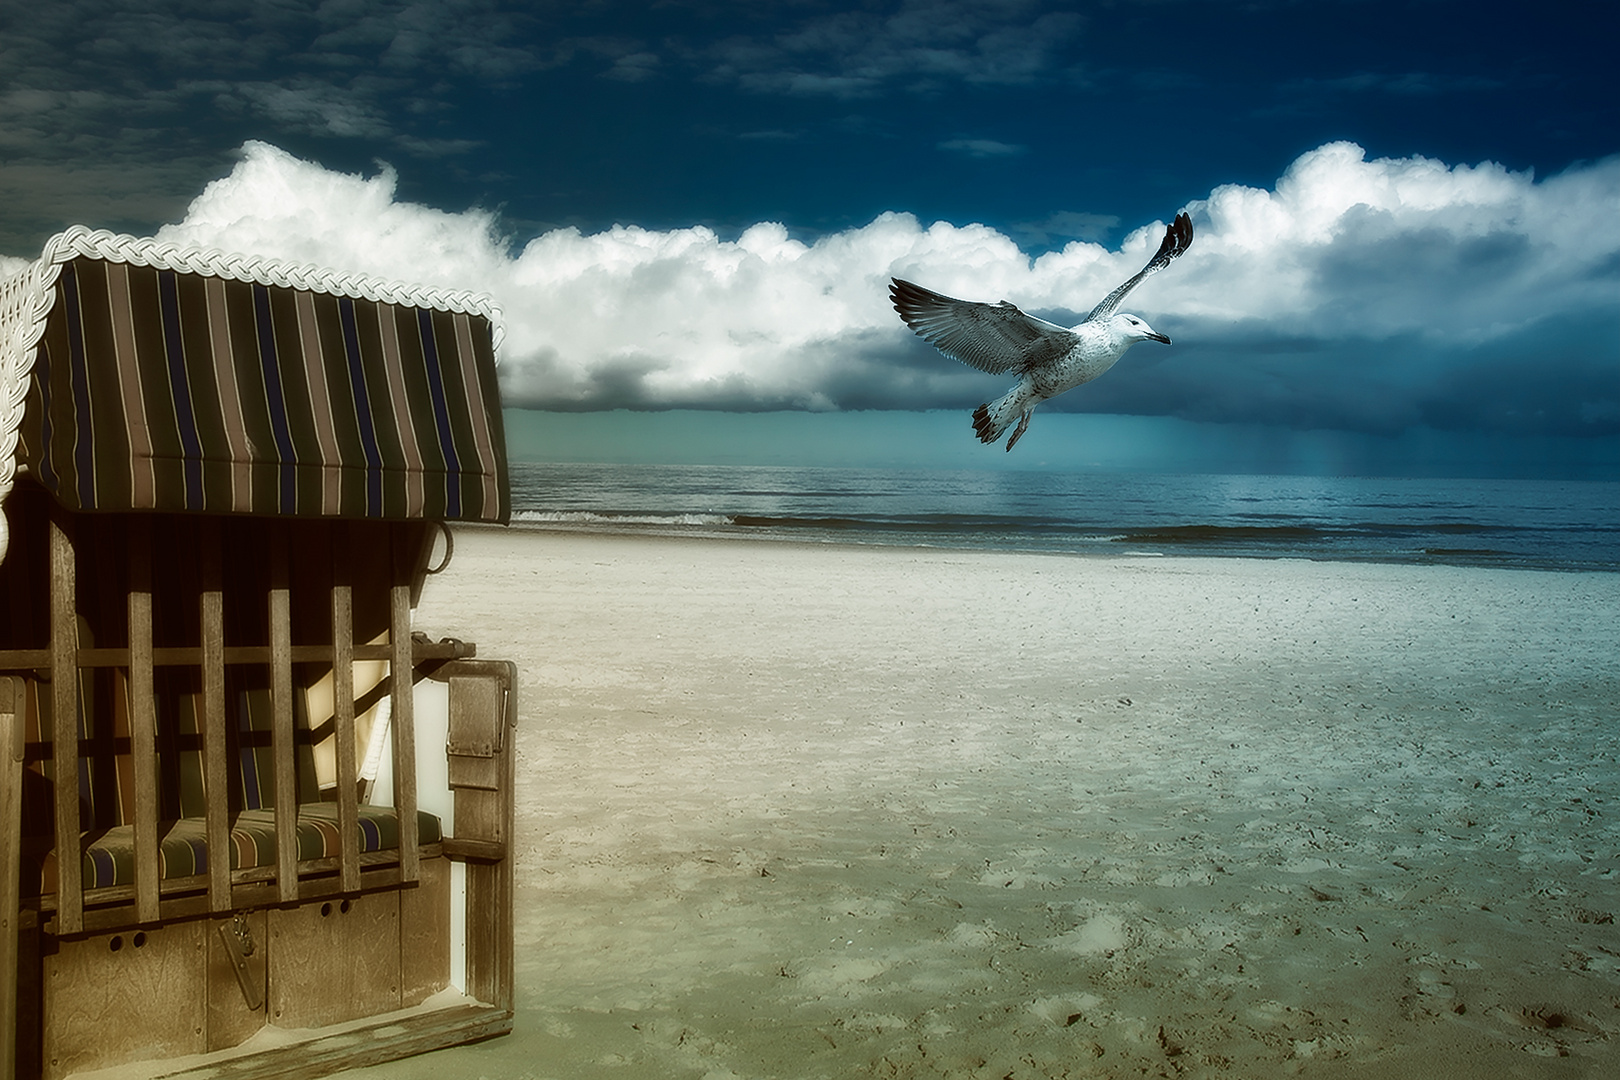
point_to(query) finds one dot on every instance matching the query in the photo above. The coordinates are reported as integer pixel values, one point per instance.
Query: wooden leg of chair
(11, 747)
(65, 724)
(491, 962)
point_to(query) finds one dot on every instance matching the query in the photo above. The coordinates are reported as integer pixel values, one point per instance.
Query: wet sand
(828, 811)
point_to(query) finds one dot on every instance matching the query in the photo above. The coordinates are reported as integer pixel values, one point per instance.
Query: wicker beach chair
(235, 790)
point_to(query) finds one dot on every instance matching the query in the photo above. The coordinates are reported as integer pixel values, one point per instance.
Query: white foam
(593, 518)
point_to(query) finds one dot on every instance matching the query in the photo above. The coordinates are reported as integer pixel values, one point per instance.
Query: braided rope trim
(79, 240)
(25, 304)
(26, 299)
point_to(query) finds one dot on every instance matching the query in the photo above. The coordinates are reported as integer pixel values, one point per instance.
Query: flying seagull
(1048, 359)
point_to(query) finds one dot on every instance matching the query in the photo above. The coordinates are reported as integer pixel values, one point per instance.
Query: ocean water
(1508, 523)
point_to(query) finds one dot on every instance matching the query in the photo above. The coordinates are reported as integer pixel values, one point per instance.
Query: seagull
(1048, 359)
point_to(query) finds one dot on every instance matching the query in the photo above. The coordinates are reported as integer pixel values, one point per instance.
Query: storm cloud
(1354, 294)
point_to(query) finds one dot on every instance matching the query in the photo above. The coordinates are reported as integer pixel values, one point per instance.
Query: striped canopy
(155, 388)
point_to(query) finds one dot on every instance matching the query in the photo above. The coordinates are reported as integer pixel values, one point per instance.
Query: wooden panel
(230, 1019)
(130, 996)
(30, 1001)
(348, 794)
(65, 724)
(143, 720)
(424, 934)
(481, 818)
(283, 736)
(490, 958)
(402, 712)
(378, 869)
(477, 734)
(361, 1045)
(491, 970)
(215, 759)
(11, 754)
(192, 656)
(334, 960)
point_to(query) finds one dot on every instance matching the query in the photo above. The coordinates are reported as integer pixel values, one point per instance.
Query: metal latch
(239, 946)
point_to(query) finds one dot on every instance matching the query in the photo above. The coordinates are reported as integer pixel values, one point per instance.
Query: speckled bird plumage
(1048, 359)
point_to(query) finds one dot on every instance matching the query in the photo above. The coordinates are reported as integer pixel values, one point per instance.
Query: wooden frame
(73, 923)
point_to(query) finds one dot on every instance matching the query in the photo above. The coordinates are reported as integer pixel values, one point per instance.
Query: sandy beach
(828, 811)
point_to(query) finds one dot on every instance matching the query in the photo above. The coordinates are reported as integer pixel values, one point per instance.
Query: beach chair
(250, 824)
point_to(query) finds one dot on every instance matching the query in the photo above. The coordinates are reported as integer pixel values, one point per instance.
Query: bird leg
(1023, 424)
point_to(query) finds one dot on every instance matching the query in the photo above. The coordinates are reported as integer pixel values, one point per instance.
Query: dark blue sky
(1445, 256)
(817, 115)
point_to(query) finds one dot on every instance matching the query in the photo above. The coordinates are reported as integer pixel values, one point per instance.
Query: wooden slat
(457, 847)
(402, 708)
(113, 907)
(283, 737)
(65, 723)
(491, 969)
(143, 720)
(216, 776)
(11, 757)
(425, 930)
(348, 795)
(184, 656)
(380, 1040)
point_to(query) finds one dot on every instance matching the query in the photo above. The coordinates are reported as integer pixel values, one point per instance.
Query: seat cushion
(109, 857)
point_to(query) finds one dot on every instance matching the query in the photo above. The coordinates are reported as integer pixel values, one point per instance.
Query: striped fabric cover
(155, 389)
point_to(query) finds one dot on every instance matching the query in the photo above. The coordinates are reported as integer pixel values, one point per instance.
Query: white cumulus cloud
(1355, 293)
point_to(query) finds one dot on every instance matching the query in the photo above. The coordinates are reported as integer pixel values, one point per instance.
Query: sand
(824, 811)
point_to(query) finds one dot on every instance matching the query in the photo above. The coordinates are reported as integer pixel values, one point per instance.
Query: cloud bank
(1355, 295)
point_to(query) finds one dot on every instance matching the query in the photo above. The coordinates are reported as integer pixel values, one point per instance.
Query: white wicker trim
(25, 302)
(26, 298)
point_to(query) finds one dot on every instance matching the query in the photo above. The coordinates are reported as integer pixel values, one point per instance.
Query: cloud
(353, 69)
(633, 67)
(112, 110)
(1356, 295)
(915, 45)
(983, 148)
(313, 106)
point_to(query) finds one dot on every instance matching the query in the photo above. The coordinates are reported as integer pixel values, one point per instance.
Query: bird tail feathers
(992, 419)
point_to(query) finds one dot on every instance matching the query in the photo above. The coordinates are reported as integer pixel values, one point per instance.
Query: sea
(1526, 524)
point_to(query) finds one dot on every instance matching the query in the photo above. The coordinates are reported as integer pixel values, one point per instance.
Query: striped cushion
(110, 857)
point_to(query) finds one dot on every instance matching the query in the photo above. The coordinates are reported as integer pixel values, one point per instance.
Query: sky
(1407, 252)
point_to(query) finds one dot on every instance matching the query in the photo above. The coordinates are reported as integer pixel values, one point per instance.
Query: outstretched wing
(1177, 238)
(997, 338)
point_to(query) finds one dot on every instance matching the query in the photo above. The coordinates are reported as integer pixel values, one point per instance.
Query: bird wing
(997, 338)
(1177, 238)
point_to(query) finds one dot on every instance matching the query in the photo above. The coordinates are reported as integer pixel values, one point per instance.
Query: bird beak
(1159, 337)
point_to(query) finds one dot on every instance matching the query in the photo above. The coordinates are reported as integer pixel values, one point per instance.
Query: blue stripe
(269, 364)
(370, 835)
(185, 418)
(84, 458)
(102, 870)
(362, 408)
(199, 855)
(441, 415)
